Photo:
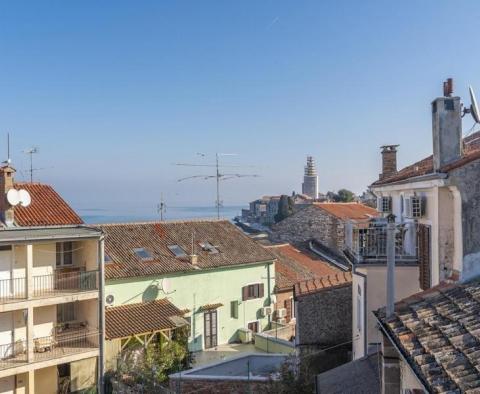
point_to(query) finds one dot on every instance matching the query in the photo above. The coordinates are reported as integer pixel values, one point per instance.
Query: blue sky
(113, 93)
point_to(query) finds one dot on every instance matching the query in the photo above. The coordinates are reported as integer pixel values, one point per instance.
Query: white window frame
(60, 254)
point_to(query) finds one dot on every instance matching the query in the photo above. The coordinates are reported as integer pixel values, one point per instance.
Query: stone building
(322, 222)
(310, 179)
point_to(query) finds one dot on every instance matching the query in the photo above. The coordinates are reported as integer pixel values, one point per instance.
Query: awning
(209, 307)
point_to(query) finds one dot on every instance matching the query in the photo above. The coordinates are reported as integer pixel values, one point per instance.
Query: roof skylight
(143, 253)
(177, 250)
(208, 247)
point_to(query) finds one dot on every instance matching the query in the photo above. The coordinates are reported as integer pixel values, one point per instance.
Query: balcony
(366, 242)
(49, 285)
(47, 348)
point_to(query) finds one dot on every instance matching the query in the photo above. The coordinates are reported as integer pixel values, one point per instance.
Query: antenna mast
(162, 207)
(31, 152)
(219, 176)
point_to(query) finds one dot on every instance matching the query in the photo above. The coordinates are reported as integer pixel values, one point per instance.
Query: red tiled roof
(208, 307)
(347, 210)
(323, 283)
(471, 151)
(233, 247)
(140, 318)
(46, 209)
(294, 265)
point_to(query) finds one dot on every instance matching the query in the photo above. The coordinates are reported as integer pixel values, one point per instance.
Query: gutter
(402, 354)
(365, 291)
(328, 258)
(419, 178)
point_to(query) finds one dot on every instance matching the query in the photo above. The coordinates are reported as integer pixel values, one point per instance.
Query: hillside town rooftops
(162, 241)
(348, 210)
(471, 151)
(438, 333)
(141, 318)
(323, 283)
(296, 264)
(47, 208)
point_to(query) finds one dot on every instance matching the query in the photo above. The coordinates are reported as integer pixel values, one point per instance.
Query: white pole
(390, 265)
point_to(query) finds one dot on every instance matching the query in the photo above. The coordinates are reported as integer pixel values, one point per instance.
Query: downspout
(101, 325)
(269, 292)
(365, 291)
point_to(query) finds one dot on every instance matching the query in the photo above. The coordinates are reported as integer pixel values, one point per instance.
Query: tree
(345, 195)
(285, 208)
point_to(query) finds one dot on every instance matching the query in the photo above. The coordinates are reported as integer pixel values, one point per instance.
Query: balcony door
(210, 328)
(6, 288)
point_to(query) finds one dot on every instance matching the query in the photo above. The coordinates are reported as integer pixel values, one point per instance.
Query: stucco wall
(83, 374)
(325, 317)
(190, 291)
(46, 380)
(311, 223)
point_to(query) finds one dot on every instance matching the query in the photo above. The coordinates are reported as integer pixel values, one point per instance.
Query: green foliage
(343, 195)
(296, 376)
(285, 208)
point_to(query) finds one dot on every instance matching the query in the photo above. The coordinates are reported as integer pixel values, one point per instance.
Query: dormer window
(208, 247)
(143, 254)
(177, 250)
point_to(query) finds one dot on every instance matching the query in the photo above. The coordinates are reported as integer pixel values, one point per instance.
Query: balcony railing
(48, 348)
(64, 282)
(12, 289)
(366, 242)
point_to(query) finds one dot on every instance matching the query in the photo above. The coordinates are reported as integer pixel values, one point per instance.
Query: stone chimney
(6, 183)
(446, 128)
(389, 160)
(193, 259)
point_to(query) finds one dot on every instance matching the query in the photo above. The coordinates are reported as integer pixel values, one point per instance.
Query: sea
(119, 215)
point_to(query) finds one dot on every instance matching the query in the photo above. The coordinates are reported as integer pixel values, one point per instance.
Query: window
(66, 312)
(253, 326)
(108, 259)
(251, 292)
(142, 253)
(234, 309)
(384, 204)
(208, 247)
(177, 250)
(64, 255)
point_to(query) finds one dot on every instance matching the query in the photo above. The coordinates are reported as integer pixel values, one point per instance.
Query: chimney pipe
(390, 265)
(6, 183)
(389, 160)
(193, 259)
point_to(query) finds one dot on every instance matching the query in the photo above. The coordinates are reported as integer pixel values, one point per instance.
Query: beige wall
(406, 284)
(86, 254)
(46, 380)
(44, 319)
(83, 374)
(88, 311)
(112, 350)
(7, 385)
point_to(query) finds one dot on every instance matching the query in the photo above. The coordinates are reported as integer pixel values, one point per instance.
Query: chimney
(6, 183)
(446, 128)
(389, 160)
(193, 259)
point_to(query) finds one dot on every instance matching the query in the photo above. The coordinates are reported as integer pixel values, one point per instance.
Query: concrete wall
(270, 344)
(466, 180)
(192, 290)
(311, 223)
(46, 380)
(406, 284)
(324, 318)
(83, 374)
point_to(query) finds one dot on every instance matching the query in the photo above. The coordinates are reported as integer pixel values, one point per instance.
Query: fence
(13, 354)
(62, 282)
(12, 289)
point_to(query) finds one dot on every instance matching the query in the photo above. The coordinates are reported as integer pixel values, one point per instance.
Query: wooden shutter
(244, 293)
(288, 306)
(423, 243)
(261, 291)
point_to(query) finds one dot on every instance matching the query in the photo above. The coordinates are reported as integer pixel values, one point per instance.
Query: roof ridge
(172, 221)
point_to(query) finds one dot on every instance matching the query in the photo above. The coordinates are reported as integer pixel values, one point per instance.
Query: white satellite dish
(473, 106)
(13, 197)
(166, 286)
(24, 197)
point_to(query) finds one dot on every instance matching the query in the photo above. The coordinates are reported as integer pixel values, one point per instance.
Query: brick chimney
(446, 128)
(6, 183)
(389, 160)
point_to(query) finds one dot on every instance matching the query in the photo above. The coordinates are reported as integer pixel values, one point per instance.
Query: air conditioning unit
(415, 207)
(281, 313)
(384, 204)
(282, 321)
(267, 310)
(245, 335)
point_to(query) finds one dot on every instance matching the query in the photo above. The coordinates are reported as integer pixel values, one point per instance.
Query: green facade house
(220, 279)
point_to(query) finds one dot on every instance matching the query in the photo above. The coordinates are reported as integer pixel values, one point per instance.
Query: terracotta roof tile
(425, 166)
(297, 264)
(323, 283)
(46, 209)
(209, 307)
(438, 333)
(233, 246)
(348, 210)
(140, 318)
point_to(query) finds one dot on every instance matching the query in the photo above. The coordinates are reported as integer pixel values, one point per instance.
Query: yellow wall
(7, 385)
(83, 374)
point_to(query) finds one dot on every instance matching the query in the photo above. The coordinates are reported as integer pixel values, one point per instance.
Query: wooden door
(210, 328)
(424, 260)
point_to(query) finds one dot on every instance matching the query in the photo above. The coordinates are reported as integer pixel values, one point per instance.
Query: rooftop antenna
(31, 151)
(162, 207)
(219, 176)
(8, 161)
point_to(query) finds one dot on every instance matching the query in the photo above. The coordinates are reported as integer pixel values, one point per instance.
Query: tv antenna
(9, 160)
(31, 151)
(219, 175)
(161, 208)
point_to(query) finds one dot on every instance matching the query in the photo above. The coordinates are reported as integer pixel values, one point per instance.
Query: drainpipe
(268, 289)
(390, 265)
(101, 317)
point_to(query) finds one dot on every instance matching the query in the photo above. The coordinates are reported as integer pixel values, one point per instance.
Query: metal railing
(64, 282)
(12, 289)
(367, 241)
(13, 354)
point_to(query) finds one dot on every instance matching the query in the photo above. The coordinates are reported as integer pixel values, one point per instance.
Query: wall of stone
(197, 386)
(311, 223)
(466, 180)
(324, 318)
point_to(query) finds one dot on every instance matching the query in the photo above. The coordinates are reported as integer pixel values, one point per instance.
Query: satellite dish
(166, 286)
(110, 298)
(13, 197)
(473, 106)
(24, 198)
